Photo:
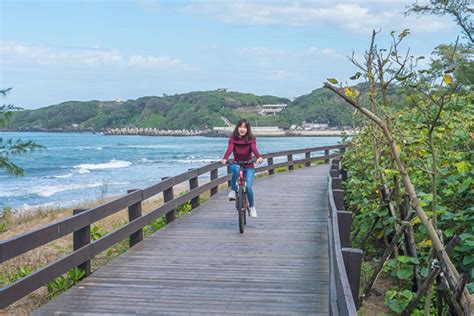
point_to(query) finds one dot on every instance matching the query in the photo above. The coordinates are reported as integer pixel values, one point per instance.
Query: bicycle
(241, 201)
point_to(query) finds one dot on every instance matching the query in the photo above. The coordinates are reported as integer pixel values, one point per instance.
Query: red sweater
(242, 150)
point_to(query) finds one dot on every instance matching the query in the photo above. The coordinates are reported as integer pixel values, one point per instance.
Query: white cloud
(260, 51)
(154, 62)
(270, 54)
(20, 53)
(284, 75)
(351, 16)
(327, 51)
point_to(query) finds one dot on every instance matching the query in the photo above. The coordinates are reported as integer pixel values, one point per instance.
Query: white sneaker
(231, 195)
(253, 212)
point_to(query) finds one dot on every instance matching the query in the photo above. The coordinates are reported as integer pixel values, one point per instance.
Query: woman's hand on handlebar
(223, 161)
(259, 160)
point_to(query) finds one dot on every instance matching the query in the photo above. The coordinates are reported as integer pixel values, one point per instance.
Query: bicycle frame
(241, 201)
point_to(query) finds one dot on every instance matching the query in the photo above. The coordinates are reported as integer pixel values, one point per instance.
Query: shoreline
(179, 133)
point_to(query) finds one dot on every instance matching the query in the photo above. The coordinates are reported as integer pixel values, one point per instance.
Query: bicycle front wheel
(241, 209)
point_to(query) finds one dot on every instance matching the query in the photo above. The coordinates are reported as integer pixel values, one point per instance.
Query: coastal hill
(194, 110)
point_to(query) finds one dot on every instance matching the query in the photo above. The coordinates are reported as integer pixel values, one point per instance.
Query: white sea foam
(63, 176)
(47, 191)
(12, 192)
(146, 160)
(24, 208)
(89, 147)
(150, 146)
(27, 207)
(113, 164)
(196, 160)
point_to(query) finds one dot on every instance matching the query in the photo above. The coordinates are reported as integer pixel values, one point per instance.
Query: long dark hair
(249, 136)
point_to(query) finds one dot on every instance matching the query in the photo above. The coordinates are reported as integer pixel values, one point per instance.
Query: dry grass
(39, 257)
(375, 304)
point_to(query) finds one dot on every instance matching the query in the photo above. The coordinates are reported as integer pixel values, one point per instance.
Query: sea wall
(154, 132)
(270, 131)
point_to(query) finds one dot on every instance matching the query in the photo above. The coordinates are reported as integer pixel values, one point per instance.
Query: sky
(57, 51)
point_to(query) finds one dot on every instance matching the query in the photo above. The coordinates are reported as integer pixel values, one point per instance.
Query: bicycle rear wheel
(241, 209)
(245, 208)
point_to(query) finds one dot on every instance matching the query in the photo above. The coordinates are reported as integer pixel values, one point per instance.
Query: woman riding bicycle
(242, 143)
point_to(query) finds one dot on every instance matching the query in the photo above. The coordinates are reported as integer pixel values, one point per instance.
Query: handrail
(21, 244)
(345, 262)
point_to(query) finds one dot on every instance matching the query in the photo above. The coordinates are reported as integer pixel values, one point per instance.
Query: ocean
(79, 167)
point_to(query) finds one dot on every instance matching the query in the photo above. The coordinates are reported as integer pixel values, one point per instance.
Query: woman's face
(242, 130)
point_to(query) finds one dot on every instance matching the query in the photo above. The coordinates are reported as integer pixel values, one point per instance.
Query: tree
(10, 147)
(429, 97)
(460, 9)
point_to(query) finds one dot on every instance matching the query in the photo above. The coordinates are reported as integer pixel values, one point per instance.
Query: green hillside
(193, 110)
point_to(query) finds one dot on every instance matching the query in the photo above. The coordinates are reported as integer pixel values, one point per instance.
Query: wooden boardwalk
(200, 264)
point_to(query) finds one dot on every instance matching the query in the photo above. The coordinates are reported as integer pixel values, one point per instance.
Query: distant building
(315, 126)
(271, 109)
(222, 89)
(118, 100)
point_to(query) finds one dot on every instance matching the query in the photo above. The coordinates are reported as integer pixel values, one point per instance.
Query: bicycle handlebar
(240, 163)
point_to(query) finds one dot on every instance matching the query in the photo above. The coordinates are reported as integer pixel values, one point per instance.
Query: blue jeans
(249, 173)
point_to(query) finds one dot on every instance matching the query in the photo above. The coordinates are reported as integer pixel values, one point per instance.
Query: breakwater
(225, 132)
(148, 131)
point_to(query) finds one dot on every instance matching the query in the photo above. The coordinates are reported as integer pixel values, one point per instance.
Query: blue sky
(56, 51)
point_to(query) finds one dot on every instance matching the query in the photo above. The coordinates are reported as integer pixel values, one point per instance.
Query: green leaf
(356, 76)
(389, 295)
(404, 259)
(396, 307)
(332, 80)
(465, 185)
(462, 167)
(405, 274)
(407, 294)
(467, 260)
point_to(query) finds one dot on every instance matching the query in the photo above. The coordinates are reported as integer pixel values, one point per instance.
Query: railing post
(326, 153)
(81, 238)
(193, 183)
(339, 199)
(336, 183)
(229, 183)
(343, 174)
(353, 261)
(308, 156)
(290, 158)
(270, 163)
(134, 212)
(214, 177)
(344, 219)
(168, 195)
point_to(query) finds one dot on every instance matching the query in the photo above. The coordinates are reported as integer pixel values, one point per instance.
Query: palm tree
(10, 147)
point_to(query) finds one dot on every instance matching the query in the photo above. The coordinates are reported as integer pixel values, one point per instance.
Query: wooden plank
(201, 264)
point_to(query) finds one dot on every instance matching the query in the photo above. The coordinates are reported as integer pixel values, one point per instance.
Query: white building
(271, 109)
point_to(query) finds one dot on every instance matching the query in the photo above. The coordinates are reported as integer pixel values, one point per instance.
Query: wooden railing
(345, 262)
(79, 224)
